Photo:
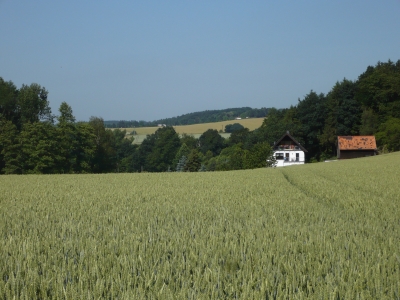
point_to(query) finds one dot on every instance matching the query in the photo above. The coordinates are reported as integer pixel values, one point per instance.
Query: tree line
(33, 140)
(207, 116)
(369, 105)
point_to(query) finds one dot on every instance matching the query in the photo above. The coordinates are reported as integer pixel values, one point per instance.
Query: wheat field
(315, 231)
(251, 124)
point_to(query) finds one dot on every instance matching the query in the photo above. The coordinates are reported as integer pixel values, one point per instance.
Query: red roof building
(356, 146)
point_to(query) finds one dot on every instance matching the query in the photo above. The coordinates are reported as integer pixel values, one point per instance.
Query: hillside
(196, 130)
(251, 124)
(207, 116)
(323, 230)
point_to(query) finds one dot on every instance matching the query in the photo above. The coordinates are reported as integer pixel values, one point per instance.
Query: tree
(180, 166)
(124, 149)
(389, 134)
(312, 112)
(86, 148)
(369, 122)
(104, 159)
(189, 140)
(274, 126)
(233, 127)
(183, 151)
(66, 115)
(343, 115)
(211, 141)
(33, 105)
(162, 154)
(239, 136)
(193, 163)
(257, 157)
(203, 168)
(67, 139)
(9, 148)
(379, 88)
(140, 159)
(231, 158)
(40, 150)
(8, 101)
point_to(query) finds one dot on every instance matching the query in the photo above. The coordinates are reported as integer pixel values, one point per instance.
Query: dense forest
(33, 140)
(207, 116)
(368, 106)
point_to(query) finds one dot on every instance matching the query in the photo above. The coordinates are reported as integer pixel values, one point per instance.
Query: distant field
(251, 124)
(314, 231)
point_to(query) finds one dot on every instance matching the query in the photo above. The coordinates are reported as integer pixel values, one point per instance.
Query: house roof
(287, 134)
(361, 142)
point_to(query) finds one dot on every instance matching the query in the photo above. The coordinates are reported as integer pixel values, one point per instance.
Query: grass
(316, 231)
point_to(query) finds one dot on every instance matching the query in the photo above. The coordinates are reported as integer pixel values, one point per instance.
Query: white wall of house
(289, 157)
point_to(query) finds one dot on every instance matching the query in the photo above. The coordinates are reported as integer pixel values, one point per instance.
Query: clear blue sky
(146, 60)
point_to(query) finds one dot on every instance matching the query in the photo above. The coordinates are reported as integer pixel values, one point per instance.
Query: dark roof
(287, 134)
(361, 142)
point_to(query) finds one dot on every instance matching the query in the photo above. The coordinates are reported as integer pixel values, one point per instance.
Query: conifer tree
(180, 167)
(193, 162)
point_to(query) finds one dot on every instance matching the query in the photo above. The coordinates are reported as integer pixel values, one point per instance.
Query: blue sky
(146, 60)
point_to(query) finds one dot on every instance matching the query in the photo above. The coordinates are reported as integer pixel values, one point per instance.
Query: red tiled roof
(361, 142)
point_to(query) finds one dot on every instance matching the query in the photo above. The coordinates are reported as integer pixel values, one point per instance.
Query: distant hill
(207, 116)
(196, 130)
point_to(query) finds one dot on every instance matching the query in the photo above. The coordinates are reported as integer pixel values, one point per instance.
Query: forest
(207, 116)
(35, 141)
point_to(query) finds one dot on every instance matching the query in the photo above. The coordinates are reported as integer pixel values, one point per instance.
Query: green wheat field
(317, 231)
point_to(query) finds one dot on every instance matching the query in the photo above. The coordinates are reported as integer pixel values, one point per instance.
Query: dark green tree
(8, 101)
(343, 115)
(86, 148)
(9, 148)
(231, 158)
(369, 122)
(190, 141)
(33, 105)
(389, 135)
(239, 137)
(124, 150)
(378, 88)
(193, 163)
(162, 154)
(67, 140)
(40, 150)
(233, 127)
(211, 141)
(104, 159)
(257, 157)
(274, 126)
(140, 159)
(312, 112)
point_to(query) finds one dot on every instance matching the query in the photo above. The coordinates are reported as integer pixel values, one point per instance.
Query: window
(279, 156)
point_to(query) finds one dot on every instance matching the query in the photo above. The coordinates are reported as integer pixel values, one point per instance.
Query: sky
(148, 60)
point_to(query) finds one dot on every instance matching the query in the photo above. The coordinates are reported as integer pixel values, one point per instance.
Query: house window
(279, 156)
(297, 157)
(287, 157)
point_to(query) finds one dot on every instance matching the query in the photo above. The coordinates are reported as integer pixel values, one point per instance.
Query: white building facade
(287, 151)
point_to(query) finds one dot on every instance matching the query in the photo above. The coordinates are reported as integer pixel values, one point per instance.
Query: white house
(288, 151)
